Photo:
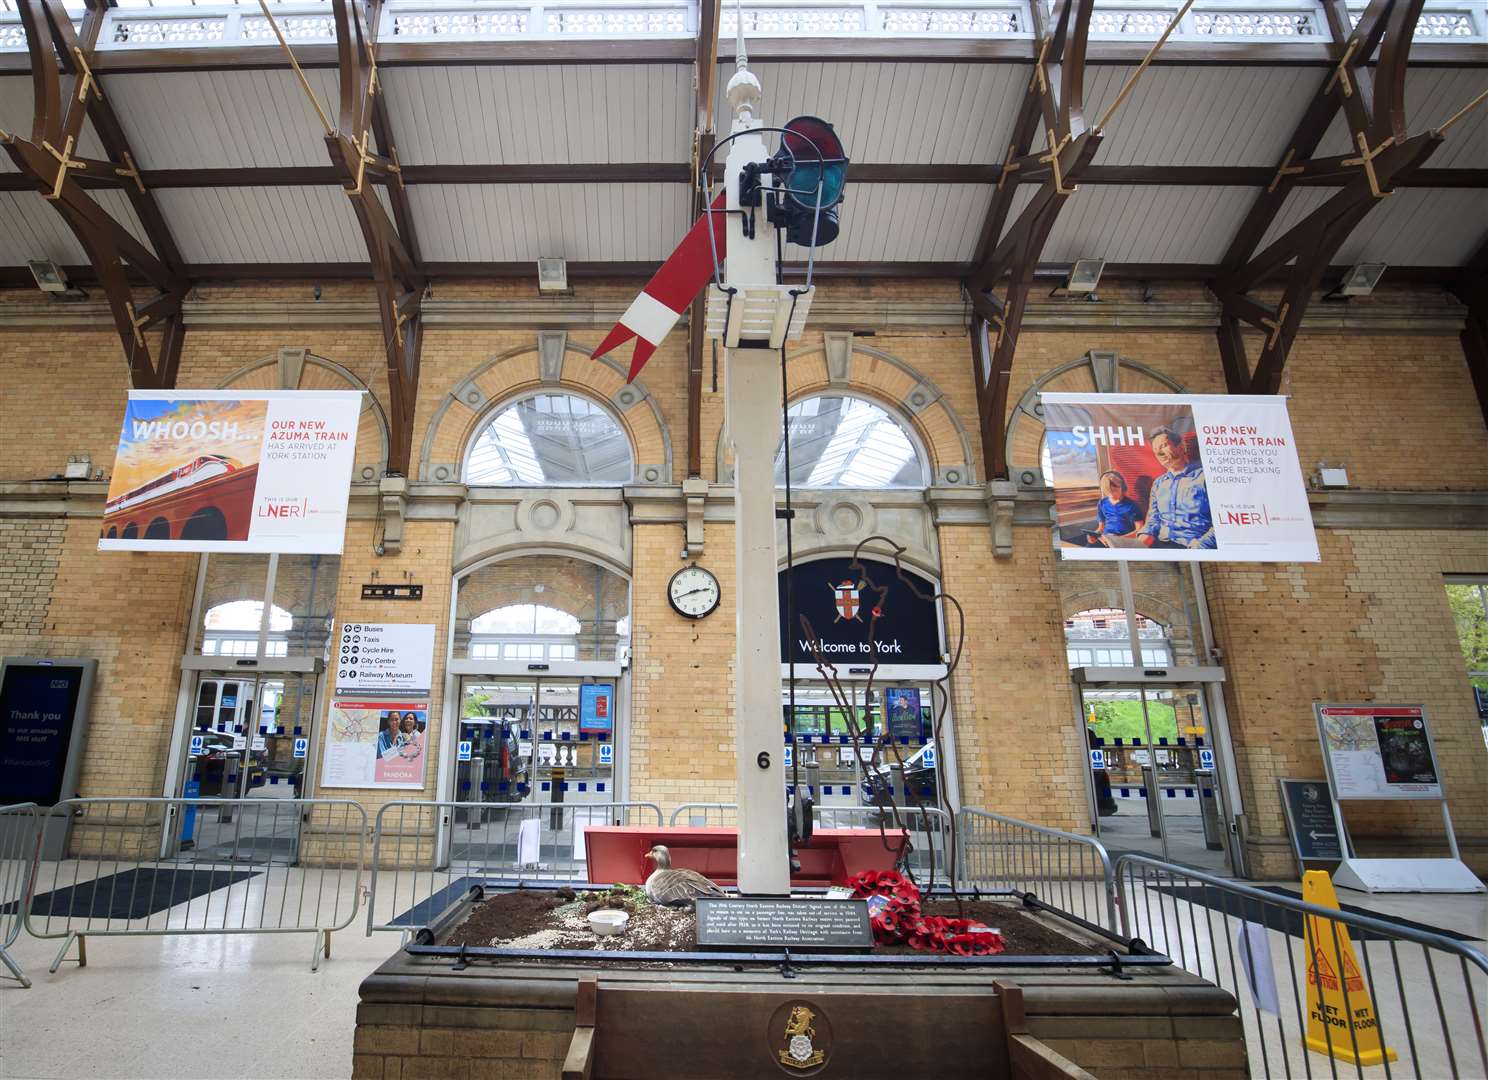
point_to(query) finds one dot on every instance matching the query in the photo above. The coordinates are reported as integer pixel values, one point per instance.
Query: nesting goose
(676, 887)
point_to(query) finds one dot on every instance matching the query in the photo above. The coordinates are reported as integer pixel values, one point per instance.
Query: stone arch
(1100, 371)
(1150, 606)
(918, 562)
(552, 363)
(840, 364)
(299, 369)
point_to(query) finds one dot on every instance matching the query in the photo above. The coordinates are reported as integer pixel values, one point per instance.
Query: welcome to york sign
(839, 601)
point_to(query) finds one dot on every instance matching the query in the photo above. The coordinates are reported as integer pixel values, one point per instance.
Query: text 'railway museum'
(531, 596)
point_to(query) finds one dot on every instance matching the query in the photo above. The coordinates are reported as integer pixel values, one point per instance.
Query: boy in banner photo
(1129, 476)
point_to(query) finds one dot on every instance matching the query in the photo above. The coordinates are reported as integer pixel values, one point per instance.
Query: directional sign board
(1310, 821)
(385, 658)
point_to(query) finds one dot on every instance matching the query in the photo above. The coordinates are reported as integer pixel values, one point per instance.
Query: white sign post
(1386, 752)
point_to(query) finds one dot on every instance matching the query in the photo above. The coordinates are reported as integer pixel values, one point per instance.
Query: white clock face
(693, 591)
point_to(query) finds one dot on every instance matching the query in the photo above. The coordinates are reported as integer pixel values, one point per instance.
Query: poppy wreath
(899, 920)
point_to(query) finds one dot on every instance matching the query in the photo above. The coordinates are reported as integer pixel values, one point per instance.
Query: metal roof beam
(47, 164)
(1373, 104)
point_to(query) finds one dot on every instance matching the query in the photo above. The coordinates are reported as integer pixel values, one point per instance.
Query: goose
(678, 888)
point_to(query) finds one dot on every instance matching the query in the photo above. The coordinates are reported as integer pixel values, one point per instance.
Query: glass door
(1155, 774)
(841, 775)
(249, 740)
(542, 753)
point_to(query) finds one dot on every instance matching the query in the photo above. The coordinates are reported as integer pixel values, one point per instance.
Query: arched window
(847, 442)
(541, 608)
(1098, 638)
(232, 629)
(551, 439)
(524, 632)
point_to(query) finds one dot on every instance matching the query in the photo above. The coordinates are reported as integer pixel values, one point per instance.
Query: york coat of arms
(847, 599)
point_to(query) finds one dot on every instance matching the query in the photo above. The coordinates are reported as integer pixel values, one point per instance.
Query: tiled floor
(236, 1006)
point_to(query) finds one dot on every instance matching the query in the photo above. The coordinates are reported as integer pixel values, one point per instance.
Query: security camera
(684, 554)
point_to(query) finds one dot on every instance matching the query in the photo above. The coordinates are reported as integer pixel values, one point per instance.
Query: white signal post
(752, 410)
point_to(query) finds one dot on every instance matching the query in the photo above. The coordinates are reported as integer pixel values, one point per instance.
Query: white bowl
(607, 921)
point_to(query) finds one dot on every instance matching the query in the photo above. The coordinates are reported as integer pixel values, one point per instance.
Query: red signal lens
(821, 139)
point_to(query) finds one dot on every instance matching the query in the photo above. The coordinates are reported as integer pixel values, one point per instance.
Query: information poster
(1379, 751)
(232, 470)
(1177, 478)
(597, 708)
(902, 703)
(376, 744)
(385, 658)
(38, 707)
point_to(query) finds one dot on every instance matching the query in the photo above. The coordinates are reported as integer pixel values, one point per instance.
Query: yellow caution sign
(1340, 1015)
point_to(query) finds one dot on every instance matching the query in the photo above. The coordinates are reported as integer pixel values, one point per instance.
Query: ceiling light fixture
(1361, 279)
(49, 276)
(552, 275)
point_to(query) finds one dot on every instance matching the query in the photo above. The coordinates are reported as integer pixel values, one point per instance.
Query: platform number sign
(301, 747)
(1097, 759)
(198, 745)
(1206, 759)
(606, 753)
(464, 750)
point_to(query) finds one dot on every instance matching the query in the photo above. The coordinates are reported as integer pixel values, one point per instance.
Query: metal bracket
(86, 81)
(1039, 78)
(137, 323)
(1052, 159)
(1340, 73)
(1274, 325)
(132, 171)
(64, 162)
(1285, 169)
(1366, 159)
(1008, 165)
(786, 971)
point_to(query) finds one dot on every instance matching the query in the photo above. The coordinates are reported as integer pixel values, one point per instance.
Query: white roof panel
(1431, 96)
(1413, 227)
(223, 119)
(907, 223)
(17, 110)
(250, 225)
(34, 230)
(1132, 224)
(522, 222)
(540, 114)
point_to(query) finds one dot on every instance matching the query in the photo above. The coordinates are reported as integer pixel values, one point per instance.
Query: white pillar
(752, 403)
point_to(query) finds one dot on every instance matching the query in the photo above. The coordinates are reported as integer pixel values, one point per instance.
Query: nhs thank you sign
(219, 470)
(1176, 478)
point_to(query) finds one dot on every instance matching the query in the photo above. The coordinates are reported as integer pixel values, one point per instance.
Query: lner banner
(231, 470)
(1176, 478)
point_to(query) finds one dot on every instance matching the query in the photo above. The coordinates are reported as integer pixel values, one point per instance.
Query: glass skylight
(550, 439)
(847, 442)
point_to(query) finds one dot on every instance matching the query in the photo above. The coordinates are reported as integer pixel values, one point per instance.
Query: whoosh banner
(1176, 478)
(228, 470)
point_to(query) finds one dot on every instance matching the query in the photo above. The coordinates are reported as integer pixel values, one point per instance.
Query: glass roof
(846, 442)
(550, 439)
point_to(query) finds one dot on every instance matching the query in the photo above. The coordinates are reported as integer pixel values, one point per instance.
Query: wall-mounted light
(1332, 476)
(1360, 280)
(49, 276)
(1085, 275)
(552, 275)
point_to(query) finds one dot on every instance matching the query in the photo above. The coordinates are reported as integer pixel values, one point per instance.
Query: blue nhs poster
(597, 708)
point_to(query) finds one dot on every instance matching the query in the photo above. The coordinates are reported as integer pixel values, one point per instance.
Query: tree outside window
(1468, 598)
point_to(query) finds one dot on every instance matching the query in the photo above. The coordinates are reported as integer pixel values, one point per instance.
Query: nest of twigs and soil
(558, 919)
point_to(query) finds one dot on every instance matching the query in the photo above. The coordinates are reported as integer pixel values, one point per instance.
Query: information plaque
(807, 923)
(1309, 813)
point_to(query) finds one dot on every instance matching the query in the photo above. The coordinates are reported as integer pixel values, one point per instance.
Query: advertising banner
(385, 658)
(1379, 751)
(902, 703)
(232, 470)
(597, 708)
(838, 603)
(1178, 478)
(375, 744)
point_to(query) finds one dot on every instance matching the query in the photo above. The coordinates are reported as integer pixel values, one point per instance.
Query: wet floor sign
(1341, 1020)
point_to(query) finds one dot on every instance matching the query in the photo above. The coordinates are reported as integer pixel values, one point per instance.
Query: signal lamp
(812, 165)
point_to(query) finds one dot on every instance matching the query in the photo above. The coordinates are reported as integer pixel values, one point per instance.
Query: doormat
(1285, 919)
(132, 894)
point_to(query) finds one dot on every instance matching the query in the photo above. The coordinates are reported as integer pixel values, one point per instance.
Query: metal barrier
(929, 831)
(1426, 989)
(19, 841)
(227, 869)
(1063, 869)
(427, 855)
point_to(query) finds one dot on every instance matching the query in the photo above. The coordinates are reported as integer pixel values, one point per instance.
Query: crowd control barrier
(1063, 869)
(427, 855)
(200, 866)
(19, 839)
(1322, 992)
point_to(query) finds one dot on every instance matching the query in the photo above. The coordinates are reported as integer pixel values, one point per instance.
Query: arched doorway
(538, 697)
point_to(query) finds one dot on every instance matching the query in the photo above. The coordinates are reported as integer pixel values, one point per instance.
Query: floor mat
(1284, 919)
(132, 894)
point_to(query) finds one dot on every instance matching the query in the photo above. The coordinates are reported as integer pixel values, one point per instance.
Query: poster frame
(1440, 795)
(72, 765)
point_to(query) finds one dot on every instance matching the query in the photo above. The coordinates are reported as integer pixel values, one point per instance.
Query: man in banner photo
(225, 470)
(1176, 477)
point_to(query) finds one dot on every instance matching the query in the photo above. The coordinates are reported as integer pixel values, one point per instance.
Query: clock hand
(690, 592)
